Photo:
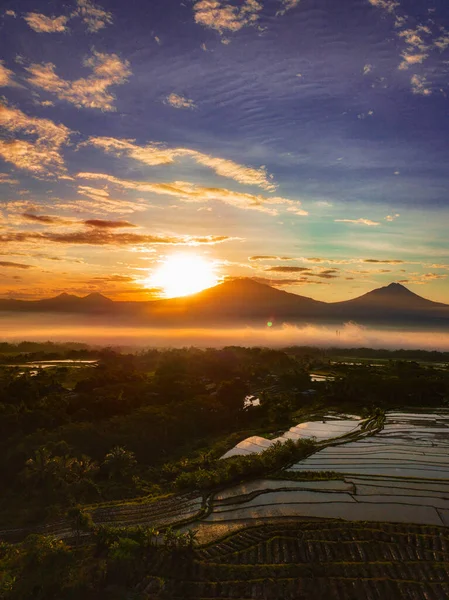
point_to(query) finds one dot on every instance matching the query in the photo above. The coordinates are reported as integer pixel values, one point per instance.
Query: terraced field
(156, 513)
(400, 474)
(320, 560)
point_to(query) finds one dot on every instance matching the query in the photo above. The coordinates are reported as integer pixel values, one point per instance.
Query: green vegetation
(137, 438)
(333, 559)
(156, 422)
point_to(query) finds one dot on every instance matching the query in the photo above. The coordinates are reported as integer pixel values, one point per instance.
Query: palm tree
(119, 462)
(41, 466)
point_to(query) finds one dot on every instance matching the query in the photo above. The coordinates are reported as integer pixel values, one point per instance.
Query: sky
(303, 143)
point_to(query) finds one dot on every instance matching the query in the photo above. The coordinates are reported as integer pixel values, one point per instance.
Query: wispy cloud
(41, 156)
(223, 16)
(391, 218)
(178, 101)
(422, 41)
(288, 269)
(94, 16)
(269, 257)
(44, 219)
(100, 237)
(189, 192)
(388, 5)
(100, 203)
(87, 92)
(6, 75)
(106, 224)
(420, 85)
(6, 179)
(14, 265)
(43, 24)
(156, 154)
(386, 261)
(367, 222)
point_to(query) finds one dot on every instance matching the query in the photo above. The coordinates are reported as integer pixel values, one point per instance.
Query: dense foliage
(142, 423)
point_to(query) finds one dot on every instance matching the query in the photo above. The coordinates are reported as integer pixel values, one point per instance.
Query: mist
(98, 331)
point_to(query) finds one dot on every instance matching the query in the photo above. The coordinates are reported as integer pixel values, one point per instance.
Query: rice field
(400, 475)
(321, 560)
(329, 427)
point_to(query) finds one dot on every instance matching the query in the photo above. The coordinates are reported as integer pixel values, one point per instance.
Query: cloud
(288, 282)
(411, 59)
(420, 41)
(14, 265)
(269, 257)
(391, 218)
(154, 154)
(6, 76)
(223, 16)
(40, 156)
(189, 192)
(93, 15)
(420, 85)
(388, 5)
(44, 219)
(113, 278)
(43, 24)
(6, 179)
(367, 69)
(289, 4)
(178, 101)
(86, 92)
(367, 222)
(103, 224)
(423, 278)
(383, 261)
(99, 237)
(10, 13)
(99, 203)
(288, 269)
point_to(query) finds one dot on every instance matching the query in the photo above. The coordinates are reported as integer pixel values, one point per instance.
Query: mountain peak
(64, 296)
(96, 297)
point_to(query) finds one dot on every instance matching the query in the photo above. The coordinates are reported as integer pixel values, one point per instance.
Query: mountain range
(245, 300)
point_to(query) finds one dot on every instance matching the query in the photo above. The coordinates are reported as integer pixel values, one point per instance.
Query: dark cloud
(286, 282)
(43, 219)
(383, 261)
(269, 257)
(6, 263)
(98, 237)
(113, 278)
(104, 224)
(288, 269)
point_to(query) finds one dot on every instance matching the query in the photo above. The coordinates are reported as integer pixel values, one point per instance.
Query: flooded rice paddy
(400, 474)
(330, 427)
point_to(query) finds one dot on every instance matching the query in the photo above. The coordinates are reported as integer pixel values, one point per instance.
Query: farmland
(151, 474)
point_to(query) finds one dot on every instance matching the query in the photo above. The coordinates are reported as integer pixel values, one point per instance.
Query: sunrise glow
(183, 274)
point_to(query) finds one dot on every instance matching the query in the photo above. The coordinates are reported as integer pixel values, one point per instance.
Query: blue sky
(312, 133)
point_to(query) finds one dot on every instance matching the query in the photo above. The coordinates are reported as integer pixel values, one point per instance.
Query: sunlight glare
(184, 274)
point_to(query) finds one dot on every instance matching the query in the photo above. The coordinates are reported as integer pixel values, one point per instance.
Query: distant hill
(245, 301)
(392, 301)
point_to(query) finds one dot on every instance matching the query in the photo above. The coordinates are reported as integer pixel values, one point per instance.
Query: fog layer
(14, 328)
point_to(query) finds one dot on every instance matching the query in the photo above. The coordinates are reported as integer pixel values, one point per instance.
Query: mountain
(245, 301)
(62, 303)
(391, 301)
(239, 299)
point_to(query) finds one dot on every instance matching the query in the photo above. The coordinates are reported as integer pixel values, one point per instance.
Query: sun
(184, 274)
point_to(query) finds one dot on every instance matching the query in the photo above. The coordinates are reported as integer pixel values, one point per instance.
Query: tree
(119, 462)
(80, 521)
